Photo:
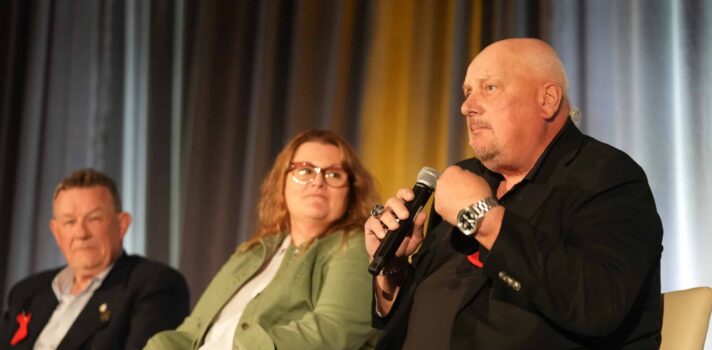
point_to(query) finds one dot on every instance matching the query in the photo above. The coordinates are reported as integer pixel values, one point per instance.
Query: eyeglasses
(305, 172)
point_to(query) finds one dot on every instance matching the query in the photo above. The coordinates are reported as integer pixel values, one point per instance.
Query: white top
(68, 307)
(222, 332)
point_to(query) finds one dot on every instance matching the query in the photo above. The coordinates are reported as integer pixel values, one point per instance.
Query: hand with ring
(377, 210)
(387, 217)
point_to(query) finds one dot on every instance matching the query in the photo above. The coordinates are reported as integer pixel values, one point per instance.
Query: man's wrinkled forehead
(522, 59)
(84, 198)
(490, 67)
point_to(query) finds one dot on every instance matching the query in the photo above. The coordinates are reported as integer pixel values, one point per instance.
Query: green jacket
(319, 299)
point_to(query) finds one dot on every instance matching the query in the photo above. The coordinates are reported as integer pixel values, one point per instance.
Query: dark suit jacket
(582, 237)
(142, 298)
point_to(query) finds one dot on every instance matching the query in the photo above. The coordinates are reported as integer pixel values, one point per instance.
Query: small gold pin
(104, 313)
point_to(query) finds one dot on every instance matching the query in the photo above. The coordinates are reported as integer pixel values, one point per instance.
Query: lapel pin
(104, 313)
(23, 319)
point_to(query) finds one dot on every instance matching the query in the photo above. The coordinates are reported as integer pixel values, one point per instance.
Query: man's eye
(68, 223)
(490, 87)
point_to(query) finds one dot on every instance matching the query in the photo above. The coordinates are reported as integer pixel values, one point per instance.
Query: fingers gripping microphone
(424, 187)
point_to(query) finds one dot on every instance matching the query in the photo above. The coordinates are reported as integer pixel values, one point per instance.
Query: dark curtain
(63, 108)
(258, 72)
(13, 26)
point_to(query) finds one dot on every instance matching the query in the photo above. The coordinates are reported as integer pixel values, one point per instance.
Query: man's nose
(82, 230)
(470, 106)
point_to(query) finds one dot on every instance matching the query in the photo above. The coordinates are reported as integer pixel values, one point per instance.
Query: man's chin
(484, 154)
(87, 265)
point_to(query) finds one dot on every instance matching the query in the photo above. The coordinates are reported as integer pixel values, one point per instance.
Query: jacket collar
(560, 151)
(97, 313)
(537, 183)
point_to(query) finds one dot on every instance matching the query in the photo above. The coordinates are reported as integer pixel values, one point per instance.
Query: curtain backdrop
(61, 109)
(258, 72)
(186, 104)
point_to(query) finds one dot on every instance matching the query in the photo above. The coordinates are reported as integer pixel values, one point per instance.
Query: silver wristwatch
(469, 218)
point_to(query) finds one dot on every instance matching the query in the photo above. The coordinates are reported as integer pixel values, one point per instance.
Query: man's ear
(53, 227)
(124, 223)
(551, 97)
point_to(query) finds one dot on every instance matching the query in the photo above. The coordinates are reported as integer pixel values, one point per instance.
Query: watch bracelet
(484, 205)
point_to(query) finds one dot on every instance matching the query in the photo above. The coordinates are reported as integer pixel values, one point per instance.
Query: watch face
(467, 221)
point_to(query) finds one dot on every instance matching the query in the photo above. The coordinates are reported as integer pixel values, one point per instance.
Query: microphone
(424, 187)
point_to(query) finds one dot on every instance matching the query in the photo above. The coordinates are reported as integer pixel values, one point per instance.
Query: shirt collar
(537, 166)
(64, 280)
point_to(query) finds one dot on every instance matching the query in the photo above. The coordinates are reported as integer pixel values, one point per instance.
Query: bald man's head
(530, 57)
(515, 102)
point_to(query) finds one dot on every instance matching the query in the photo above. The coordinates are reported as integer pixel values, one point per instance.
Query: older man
(103, 298)
(546, 239)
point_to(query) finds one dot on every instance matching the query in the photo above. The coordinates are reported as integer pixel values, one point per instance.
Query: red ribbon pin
(475, 259)
(23, 320)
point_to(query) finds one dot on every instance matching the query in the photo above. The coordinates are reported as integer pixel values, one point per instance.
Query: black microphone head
(428, 177)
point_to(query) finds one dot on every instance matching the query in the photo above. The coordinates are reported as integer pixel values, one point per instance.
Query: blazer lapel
(95, 316)
(97, 313)
(41, 307)
(530, 200)
(240, 269)
(243, 272)
(448, 243)
(436, 250)
(565, 148)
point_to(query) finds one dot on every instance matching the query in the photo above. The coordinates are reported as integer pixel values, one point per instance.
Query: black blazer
(582, 237)
(142, 298)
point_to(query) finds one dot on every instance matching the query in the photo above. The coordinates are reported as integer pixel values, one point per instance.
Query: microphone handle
(389, 245)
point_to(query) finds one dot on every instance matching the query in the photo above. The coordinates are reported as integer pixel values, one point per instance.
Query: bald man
(546, 239)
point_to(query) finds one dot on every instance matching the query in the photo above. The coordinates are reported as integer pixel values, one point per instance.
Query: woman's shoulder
(353, 236)
(343, 242)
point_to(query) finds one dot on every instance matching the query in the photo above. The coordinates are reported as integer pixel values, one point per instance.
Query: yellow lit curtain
(193, 106)
(386, 75)
(411, 93)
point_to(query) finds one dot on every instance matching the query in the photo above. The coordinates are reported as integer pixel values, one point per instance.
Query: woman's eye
(304, 171)
(334, 174)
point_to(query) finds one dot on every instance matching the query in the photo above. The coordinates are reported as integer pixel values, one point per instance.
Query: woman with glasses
(301, 281)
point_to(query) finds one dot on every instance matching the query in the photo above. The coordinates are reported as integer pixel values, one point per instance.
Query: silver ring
(377, 210)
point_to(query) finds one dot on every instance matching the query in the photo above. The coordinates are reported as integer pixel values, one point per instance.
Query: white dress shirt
(68, 307)
(222, 332)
